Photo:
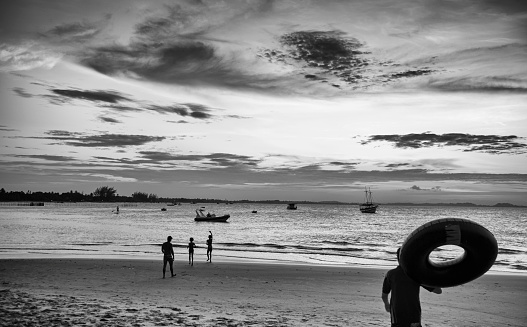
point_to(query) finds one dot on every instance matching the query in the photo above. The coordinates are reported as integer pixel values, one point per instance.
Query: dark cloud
(185, 109)
(102, 140)
(344, 165)
(215, 159)
(109, 120)
(21, 92)
(333, 57)
(119, 102)
(95, 95)
(495, 144)
(418, 188)
(397, 165)
(179, 62)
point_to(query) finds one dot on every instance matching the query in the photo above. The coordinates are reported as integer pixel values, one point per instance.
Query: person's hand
(387, 307)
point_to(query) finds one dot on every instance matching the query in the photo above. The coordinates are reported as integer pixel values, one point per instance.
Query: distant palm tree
(104, 193)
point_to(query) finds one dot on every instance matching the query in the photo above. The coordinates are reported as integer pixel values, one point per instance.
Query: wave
(510, 251)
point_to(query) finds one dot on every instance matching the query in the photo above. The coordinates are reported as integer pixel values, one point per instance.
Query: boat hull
(220, 219)
(368, 208)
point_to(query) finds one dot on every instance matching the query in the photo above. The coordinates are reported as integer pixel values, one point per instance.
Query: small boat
(368, 206)
(291, 206)
(201, 216)
(163, 209)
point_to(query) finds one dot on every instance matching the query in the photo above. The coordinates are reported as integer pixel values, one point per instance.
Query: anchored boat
(369, 206)
(201, 216)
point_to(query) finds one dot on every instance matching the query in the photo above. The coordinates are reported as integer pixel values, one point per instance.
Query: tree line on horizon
(109, 194)
(105, 194)
(101, 194)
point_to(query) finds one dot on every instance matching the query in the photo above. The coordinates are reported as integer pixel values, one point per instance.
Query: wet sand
(119, 292)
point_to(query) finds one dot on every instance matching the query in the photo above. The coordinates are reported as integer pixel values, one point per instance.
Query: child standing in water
(209, 247)
(190, 247)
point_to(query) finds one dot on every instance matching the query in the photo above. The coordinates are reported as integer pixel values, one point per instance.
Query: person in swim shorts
(168, 256)
(404, 305)
(191, 245)
(209, 247)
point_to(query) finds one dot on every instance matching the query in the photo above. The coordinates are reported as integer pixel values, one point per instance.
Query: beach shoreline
(132, 292)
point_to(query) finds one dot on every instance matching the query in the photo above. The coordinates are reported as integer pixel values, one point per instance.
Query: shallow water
(320, 234)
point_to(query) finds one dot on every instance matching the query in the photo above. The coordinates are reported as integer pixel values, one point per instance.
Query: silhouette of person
(191, 246)
(209, 247)
(168, 256)
(404, 305)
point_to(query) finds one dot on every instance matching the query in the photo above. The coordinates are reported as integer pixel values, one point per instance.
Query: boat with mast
(368, 206)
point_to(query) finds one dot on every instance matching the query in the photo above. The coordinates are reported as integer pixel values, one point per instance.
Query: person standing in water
(191, 246)
(404, 305)
(168, 256)
(209, 248)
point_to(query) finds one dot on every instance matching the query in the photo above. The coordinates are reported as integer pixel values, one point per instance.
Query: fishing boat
(201, 216)
(369, 206)
(291, 206)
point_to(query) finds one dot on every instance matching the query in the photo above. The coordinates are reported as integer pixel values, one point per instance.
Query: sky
(420, 101)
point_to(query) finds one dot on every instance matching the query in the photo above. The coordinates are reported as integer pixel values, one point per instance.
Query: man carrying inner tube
(404, 305)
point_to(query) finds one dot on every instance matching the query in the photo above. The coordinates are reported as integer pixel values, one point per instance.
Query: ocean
(314, 234)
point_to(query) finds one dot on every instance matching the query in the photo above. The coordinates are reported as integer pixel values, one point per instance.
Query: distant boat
(368, 206)
(291, 206)
(163, 209)
(201, 216)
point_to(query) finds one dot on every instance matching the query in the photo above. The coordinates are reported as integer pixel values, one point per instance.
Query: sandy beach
(119, 292)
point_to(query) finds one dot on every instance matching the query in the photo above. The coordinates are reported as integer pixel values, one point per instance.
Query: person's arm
(386, 302)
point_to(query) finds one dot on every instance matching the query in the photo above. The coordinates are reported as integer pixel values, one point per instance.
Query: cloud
(21, 92)
(333, 57)
(418, 188)
(185, 109)
(117, 101)
(77, 31)
(184, 62)
(109, 120)
(102, 140)
(216, 160)
(96, 95)
(6, 129)
(46, 157)
(494, 144)
(26, 56)
(500, 68)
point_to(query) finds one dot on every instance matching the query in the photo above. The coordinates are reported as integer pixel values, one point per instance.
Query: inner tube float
(479, 245)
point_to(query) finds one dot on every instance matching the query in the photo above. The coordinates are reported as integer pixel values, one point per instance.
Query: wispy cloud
(77, 31)
(117, 101)
(494, 144)
(102, 140)
(26, 56)
(96, 95)
(46, 157)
